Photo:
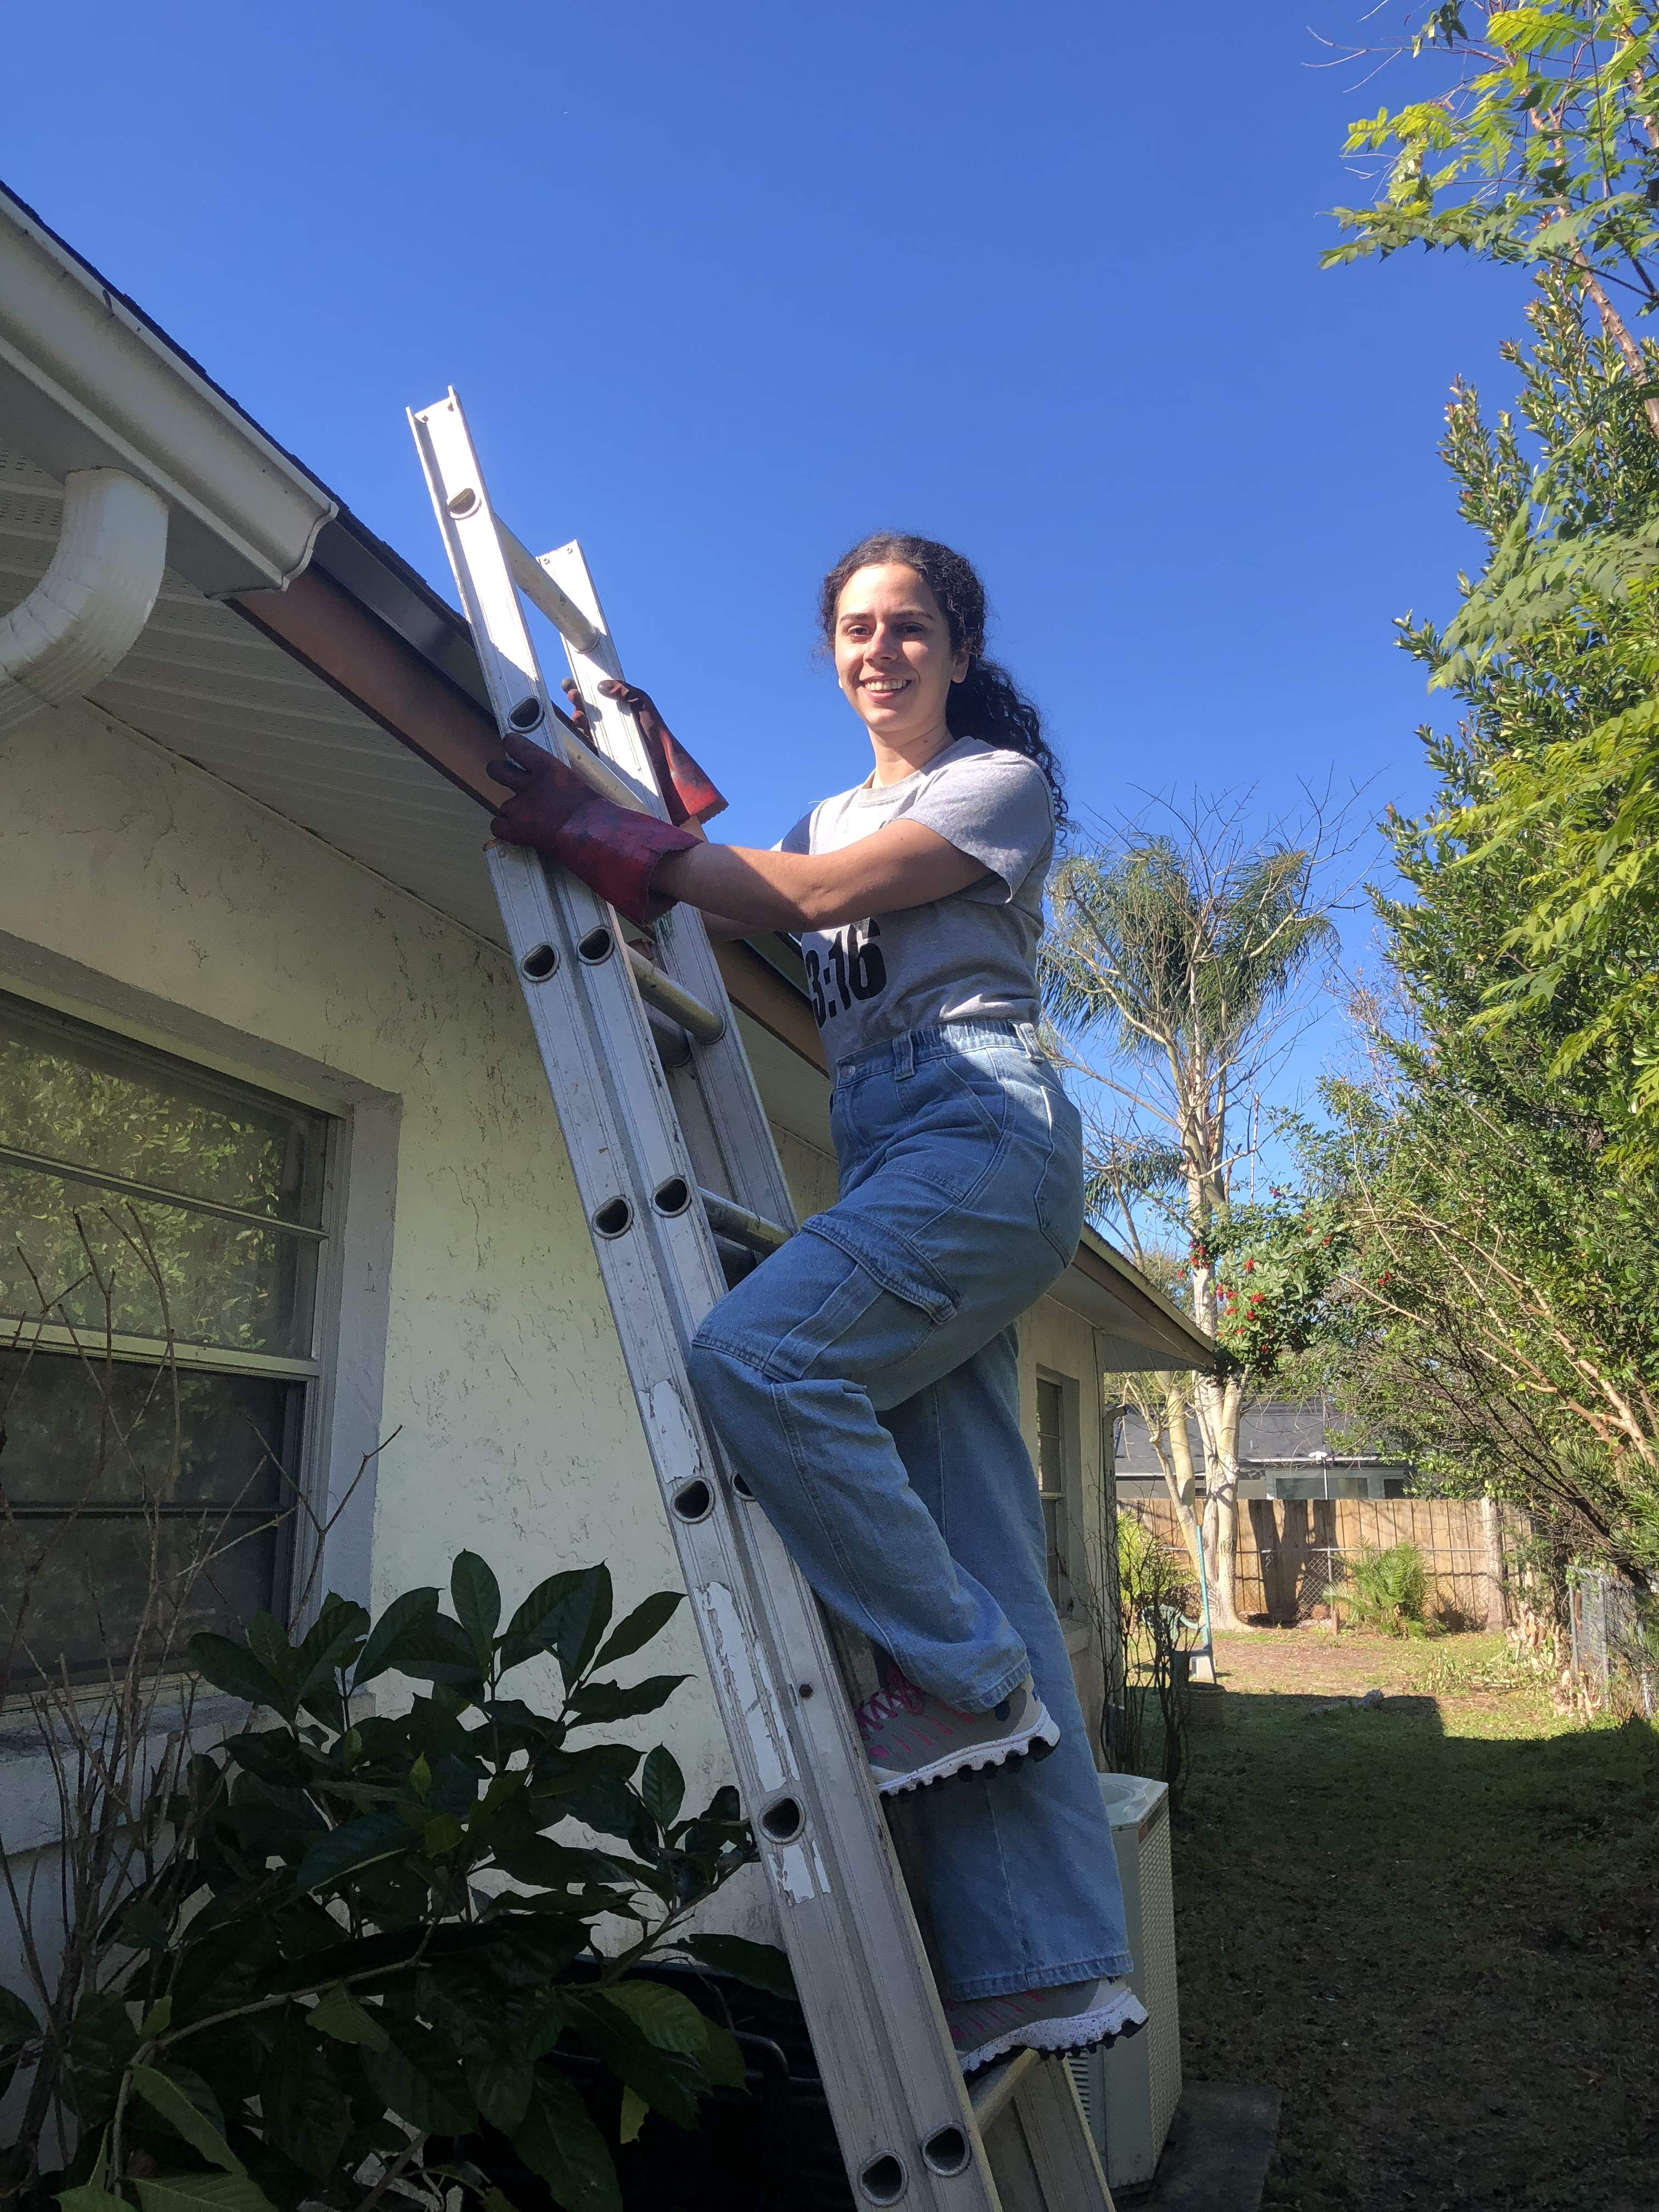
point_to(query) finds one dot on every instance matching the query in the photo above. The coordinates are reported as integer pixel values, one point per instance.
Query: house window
(160, 1241)
(1055, 1448)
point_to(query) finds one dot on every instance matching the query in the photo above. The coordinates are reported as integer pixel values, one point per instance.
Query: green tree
(1500, 1321)
(1183, 950)
(1538, 147)
(1495, 1321)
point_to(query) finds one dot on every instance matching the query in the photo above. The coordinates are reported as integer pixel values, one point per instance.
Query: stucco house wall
(1058, 1345)
(141, 893)
(470, 1326)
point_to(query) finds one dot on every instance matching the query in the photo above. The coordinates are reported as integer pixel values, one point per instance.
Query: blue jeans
(865, 1383)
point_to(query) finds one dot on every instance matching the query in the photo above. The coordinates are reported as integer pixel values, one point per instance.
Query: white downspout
(86, 612)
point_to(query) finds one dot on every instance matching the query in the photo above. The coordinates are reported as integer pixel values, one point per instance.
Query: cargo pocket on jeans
(888, 1260)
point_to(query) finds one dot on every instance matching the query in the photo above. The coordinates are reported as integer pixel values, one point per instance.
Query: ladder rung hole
(742, 1490)
(947, 2152)
(526, 714)
(672, 1196)
(883, 2180)
(613, 1216)
(464, 500)
(693, 1502)
(539, 962)
(596, 945)
(783, 1821)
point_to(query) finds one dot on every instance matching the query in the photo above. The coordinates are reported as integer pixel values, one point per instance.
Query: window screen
(161, 1234)
(1053, 1446)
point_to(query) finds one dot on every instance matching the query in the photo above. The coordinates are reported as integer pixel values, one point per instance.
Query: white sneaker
(912, 1738)
(1076, 2016)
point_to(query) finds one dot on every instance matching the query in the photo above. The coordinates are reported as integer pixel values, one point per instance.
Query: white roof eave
(85, 383)
(1139, 1327)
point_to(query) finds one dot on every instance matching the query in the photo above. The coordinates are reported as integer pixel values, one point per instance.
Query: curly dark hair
(986, 703)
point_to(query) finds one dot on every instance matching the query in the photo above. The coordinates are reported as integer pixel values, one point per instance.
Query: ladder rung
(593, 771)
(991, 2092)
(659, 991)
(539, 588)
(743, 1227)
(606, 780)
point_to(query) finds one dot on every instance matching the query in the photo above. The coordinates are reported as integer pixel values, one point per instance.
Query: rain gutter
(87, 381)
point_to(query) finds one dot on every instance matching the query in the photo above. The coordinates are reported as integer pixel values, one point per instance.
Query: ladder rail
(751, 1172)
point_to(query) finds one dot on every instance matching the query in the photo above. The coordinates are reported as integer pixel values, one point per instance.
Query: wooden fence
(1291, 1551)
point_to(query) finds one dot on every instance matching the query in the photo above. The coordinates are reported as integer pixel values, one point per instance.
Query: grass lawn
(1434, 1925)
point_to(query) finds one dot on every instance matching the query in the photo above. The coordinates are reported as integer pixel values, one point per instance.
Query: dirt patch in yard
(1433, 1922)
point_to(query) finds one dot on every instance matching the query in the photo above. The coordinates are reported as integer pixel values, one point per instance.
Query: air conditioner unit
(1129, 2092)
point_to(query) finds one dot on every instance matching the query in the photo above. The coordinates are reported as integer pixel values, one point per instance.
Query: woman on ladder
(864, 1380)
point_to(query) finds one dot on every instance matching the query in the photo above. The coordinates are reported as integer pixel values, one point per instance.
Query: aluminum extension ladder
(673, 1158)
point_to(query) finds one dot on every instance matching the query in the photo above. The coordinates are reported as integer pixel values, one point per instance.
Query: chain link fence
(1615, 1630)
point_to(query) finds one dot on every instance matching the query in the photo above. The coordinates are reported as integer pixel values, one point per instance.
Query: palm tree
(1184, 955)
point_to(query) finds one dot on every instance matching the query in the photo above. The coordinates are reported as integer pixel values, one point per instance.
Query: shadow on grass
(1441, 1947)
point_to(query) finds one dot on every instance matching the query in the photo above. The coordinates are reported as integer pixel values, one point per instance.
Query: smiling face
(895, 661)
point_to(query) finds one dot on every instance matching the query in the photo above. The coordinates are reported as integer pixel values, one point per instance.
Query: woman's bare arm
(901, 865)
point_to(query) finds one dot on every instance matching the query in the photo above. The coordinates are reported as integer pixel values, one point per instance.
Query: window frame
(315, 1375)
(1068, 1605)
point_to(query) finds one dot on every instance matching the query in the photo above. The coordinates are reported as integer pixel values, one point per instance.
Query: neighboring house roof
(298, 658)
(1275, 1432)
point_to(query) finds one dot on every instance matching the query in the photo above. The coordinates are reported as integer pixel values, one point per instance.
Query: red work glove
(614, 850)
(687, 791)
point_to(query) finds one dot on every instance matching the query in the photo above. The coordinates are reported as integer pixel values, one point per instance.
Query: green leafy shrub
(1388, 1590)
(370, 1936)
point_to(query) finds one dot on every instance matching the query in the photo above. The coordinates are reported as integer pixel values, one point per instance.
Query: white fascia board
(84, 383)
(1139, 1327)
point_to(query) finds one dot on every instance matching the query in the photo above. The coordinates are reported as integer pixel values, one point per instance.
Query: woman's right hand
(545, 794)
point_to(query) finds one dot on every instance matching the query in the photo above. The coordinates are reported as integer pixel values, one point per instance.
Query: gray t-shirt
(968, 957)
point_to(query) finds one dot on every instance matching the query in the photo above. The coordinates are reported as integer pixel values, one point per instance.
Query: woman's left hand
(688, 793)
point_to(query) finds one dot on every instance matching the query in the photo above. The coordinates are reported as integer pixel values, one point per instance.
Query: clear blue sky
(724, 287)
